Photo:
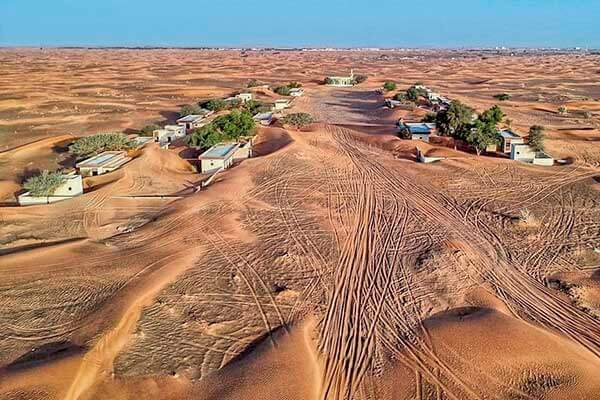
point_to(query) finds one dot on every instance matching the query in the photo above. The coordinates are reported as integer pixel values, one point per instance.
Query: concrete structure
(507, 138)
(296, 92)
(169, 134)
(244, 97)
(418, 130)
(194, 121)
(217, 157)
(426, 159)
(281, 104)
(71, 187)
(244, 150)
(141, 141)
(102, 163)
(264, 118)
(341, 80)
(524, 153)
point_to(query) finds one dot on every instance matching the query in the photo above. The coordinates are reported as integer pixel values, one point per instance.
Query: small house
(244, 97)
(341, 80)
(218, 157)
(244, 150)
(264, 119)
(102, 163)
(281, 104)
(525, 153)
(507, 138)
(194, 121)
(72, 186)
(296, 92)
(169, 134)
(418, 130)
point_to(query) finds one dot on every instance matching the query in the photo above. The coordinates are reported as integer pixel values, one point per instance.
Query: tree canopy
(148, 130)
(215, 105)
(360, 78)
(224, 128)
(298, 120)
(189, 109)
(536, 137)
(282, 90)
(92, 145)
(456, 120)
(44, 184)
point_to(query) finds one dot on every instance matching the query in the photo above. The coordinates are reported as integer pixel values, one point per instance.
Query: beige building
(341, 80)
(71, 187)
(102, 163)
(281, 104)
(194, 121)
(169, 134)
(244, 97)
(264, 119)
(524, 153)
(218, 157)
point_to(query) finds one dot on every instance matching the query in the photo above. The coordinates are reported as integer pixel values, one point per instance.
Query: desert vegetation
(228, 127)
(91, 145)
(502, 96)
(389, 86)
(298, 120)
(44, 184)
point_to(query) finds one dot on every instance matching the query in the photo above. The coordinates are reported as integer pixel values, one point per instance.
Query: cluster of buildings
(510, 143)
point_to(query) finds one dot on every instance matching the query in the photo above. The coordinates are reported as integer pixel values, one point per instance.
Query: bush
(206, 136)
(148, 130)
(502, 96)
(215, 105)
(253, 83)
(389, 86)
(227, 127)
(44, 184)
(429, 118)
(189, 109)
(254, 107)
(282, 90)
(562, 110)
(360, 78)
(327, 81)
(294, 85)
(92, 145)
(412, 94)
(298, 120)
(401, 97)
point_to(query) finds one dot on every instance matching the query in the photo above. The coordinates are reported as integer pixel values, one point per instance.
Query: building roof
(107, 159)
(173, 127)
(220, 151)
(420, 127)
(508, 134)
(261, 116)
(190, 118)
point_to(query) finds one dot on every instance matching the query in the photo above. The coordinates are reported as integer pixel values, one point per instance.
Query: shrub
(298, 120)
(206, 136)
(389, 86)
(148, 130)
(189, 109)
(215, 105)
(253, 83)
(254, 107)
(562, 110)
(294, 85)
(44, 184)
(92, 145)
(429, 118)
(536, 137)
(502, 96)
(400, 97)
(412, 94)
(226, 127)
(360, 78)
(282, 90)
(328, 81)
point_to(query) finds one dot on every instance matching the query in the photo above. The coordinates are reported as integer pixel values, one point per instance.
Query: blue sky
(341, 23)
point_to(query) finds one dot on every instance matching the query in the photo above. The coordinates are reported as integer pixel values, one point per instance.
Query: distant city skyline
(307, 23)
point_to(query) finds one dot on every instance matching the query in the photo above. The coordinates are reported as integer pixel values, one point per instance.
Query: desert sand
(329, 266)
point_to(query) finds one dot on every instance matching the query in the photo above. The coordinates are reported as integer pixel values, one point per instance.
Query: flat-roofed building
(194, 121)
(244, 97)
(169, 134)
(244, 150)
(525, 153)
(218, 157)
(418, 130)
(264, 119)
(281, 104)
(341, 80)
(507, 138)
(102, 163)
(296, 92)
(72, 186)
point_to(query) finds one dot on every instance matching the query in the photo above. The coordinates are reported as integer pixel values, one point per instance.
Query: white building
(71, 187)
(244, 150)
(194, 121)
(102, 163)
(244, 97)
(281, 104)
(341, 80)
(296, 92)
(218, 157)
(507, 138)
(169, 134)
(264, 118)
(524, 153)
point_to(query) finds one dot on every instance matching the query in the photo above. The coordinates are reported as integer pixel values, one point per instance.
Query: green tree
(389, 86)
(92, 145)
(494, 115)
(294, 85)
(148, 130)
(481, 135)
(206, 136)
(456, 120)
(536, 137)
(502, 96)
(412, 94)
(215, 105)
(189, 109)
(255, 106)
(282, 90)
(360, 79)
(401, 97)
(44, 184)
(235, 124)
(429, 118)
(298, 120)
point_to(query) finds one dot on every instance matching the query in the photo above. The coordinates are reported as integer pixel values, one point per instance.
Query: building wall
(212, 165)
(420, 136)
